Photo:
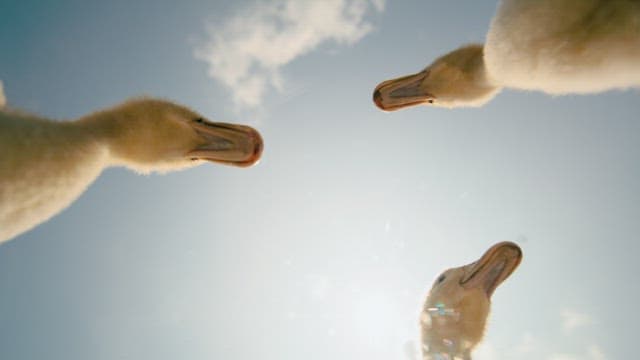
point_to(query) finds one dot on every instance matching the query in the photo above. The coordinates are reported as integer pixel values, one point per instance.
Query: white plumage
(554, 46)
(45, 165)
(454, 315)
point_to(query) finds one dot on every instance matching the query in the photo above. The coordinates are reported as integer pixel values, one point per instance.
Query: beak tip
(377, 99)
(258, 146)
(510, 248)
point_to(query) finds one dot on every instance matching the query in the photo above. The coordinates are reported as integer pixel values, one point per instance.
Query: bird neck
(460, 78)
(113, 130)
(447, 339)
(451, 329)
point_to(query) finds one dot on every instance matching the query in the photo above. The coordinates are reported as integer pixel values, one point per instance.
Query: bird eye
(430, 101)
(441, 279)
(200, 120)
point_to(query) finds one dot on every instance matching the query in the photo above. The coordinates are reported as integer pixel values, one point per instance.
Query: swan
(554, 46)
(45, 165)
(455, 312)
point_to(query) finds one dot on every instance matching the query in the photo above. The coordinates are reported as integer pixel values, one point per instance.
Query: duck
(554, 46)
(454, 316)
(47, 164)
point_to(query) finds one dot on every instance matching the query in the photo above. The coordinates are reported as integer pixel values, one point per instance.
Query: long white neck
(453, 323)
(108, 131)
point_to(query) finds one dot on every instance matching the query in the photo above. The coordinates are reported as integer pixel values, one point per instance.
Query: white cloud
(527, 344)
(320, 287)
(530, 346)
(485, 351)
(562, 357)
(572, 319)
(593, 353)
(596, 353)
(411, 350)
(247, 52)
(3, 99)
(378, 4)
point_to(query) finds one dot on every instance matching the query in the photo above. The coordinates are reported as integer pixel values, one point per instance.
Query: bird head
(455, 80)
(455, 312)
(156, 135)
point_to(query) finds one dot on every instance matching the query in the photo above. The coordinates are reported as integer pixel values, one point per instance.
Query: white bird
(45, 165)
(454, 315)
(554, 46)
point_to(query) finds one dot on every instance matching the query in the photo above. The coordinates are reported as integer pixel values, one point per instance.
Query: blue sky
(328, 246)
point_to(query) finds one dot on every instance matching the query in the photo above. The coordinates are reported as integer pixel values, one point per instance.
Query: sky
(327, 248)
